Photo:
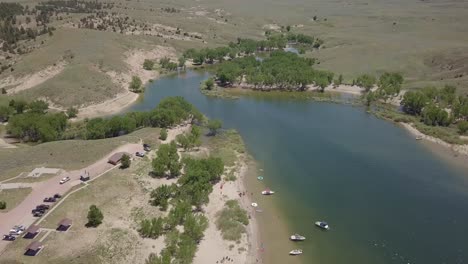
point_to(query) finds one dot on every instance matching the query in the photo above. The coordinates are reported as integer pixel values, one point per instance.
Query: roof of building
(116, 157)
(35, 245)
(65, 222)
(32, 229)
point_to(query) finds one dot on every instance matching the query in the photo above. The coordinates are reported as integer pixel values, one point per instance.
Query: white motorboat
(295, 252)
(268, 192)
(297, 237)
(322, 225)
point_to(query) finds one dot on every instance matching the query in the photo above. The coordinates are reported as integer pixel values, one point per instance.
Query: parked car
(38, 213)
(50, 200)
(57, 196)
(64, 180)
(140, 154)
(9, 238)
(146, 147)
(43, 206)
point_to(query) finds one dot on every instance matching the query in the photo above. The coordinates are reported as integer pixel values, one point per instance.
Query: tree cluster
(192, 189)
(437, 107)
(167, 64)
(190, 140)
(136, 85)
(281, 70)
(167, 161)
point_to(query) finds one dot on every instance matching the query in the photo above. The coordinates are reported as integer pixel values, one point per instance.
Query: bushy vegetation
(167, 64)
(192, 189)
(232, 220)
(125, 161)
(249, 46)
(436, 107)
(3, 205)
(282, 70)
(148, 65)
(136, 85)
(95, 216)
(72, 112)
(31, 122)
(190, 140)
(214, 125)
(163, 134)
(167, 162)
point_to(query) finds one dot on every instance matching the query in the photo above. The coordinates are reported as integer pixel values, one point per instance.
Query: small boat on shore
(268, 192)
(419, 137)
(322, 225)
(254, 204)
(260, 178)
(297, 237)
(295, 252)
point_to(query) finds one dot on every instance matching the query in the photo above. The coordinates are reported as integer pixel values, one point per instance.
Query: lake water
(387, 198)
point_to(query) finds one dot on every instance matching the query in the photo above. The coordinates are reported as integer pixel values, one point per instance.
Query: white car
(140, 154)
(64, 180)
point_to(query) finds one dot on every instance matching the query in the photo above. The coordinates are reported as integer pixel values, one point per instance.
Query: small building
(33, 249)
(116, 157)
(31, 232)
(64, 225)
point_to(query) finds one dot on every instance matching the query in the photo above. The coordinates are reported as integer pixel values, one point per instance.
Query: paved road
(21, 214)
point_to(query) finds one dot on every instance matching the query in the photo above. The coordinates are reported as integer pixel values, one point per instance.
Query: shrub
(163, 134)
(232, 220)
(214, 125)
(3, 205)
(135, 85)
(95, 216)
(148, 65)
(125, 161)
(462, 127)
(72, 112)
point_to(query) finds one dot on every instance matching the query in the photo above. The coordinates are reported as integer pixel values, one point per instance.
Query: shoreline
(455, 148)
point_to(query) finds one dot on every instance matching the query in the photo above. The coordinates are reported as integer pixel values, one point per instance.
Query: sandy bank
(134, 60)
(32, 80)
(460, 149)
(213, 247)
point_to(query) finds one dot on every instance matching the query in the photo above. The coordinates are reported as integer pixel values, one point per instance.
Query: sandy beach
(214, 248)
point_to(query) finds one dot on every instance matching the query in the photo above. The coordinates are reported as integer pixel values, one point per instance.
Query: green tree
(209, 84)
(95, 216)
(38, 106)
(435, 116)
(72, 112)
(390, 84)
(182, 62)
(4, 91)
(3, 205)
(462, 127)
(167, 159)
(288, 28)
(214, 125)
(135, 85)
(18, 105)
(125, 161)
(161, 195)
(366, 81)
(163, 134)
(148, 65)
(413, 102)
(5, 113)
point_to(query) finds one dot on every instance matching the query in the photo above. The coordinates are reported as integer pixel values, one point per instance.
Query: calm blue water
(386, 197)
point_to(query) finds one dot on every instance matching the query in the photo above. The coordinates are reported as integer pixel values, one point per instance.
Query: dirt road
(21, 214)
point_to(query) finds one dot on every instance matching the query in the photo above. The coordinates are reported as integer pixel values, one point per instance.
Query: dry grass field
(425, 40)
(68, 154)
